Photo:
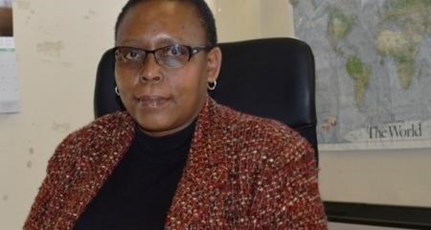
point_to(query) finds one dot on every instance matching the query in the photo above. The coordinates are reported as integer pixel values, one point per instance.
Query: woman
(176, 159)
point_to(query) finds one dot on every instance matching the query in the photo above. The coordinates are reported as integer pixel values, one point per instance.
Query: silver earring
(212, 85)
(117, 91)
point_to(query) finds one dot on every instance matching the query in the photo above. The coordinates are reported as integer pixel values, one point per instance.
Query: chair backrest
(272, 77)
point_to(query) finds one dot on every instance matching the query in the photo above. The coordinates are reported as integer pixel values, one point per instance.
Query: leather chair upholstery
(272, 77)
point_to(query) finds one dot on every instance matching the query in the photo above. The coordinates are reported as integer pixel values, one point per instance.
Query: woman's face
(164, 100)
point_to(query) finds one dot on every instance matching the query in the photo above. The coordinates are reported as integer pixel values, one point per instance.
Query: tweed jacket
(242, 172)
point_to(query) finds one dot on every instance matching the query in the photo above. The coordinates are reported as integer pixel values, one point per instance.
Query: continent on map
(339, 26)
(360, 75)
(402, 29)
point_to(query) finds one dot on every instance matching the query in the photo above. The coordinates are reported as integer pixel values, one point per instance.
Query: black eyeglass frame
(192, 50)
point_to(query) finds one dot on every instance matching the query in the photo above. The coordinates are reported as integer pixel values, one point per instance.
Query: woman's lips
(152, 101)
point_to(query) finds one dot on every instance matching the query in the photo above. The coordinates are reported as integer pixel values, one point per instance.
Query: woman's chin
(154, 127)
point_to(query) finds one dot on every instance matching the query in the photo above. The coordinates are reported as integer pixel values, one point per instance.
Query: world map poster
(373, 71)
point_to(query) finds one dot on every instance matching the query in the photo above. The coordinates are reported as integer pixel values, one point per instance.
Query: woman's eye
(132, 55)
(175, 51)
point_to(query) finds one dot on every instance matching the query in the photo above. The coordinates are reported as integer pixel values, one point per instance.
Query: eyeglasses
(173, 56)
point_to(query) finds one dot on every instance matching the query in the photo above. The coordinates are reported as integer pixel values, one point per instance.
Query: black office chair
(271, 77)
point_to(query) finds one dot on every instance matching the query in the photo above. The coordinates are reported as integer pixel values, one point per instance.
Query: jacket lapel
(106, 149)
(198, 193)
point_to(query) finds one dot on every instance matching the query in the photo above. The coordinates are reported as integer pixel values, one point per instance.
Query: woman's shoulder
(245, 123)
(263, 137)
(108, 125)
(100, 133)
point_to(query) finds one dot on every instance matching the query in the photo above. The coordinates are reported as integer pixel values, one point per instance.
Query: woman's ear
(214, 59)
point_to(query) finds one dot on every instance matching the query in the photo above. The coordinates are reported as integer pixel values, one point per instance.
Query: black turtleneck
(139, 192)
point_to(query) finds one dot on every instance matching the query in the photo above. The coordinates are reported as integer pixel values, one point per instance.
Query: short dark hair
(202, 9)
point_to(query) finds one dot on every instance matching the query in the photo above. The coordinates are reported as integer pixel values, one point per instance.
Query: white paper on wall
(9, 87)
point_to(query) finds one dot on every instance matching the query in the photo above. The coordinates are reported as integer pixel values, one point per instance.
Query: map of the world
(373, 71)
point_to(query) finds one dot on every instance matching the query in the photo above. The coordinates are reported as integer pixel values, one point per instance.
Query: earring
(117, 91)
(212, 85)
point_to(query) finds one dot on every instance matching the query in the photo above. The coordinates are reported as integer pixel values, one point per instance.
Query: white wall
(245, 19)
(59, 43)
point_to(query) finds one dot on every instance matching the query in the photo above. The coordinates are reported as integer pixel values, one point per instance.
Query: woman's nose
(150, 70)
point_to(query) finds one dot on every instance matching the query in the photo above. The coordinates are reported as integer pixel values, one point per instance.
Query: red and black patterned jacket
(243, 172)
